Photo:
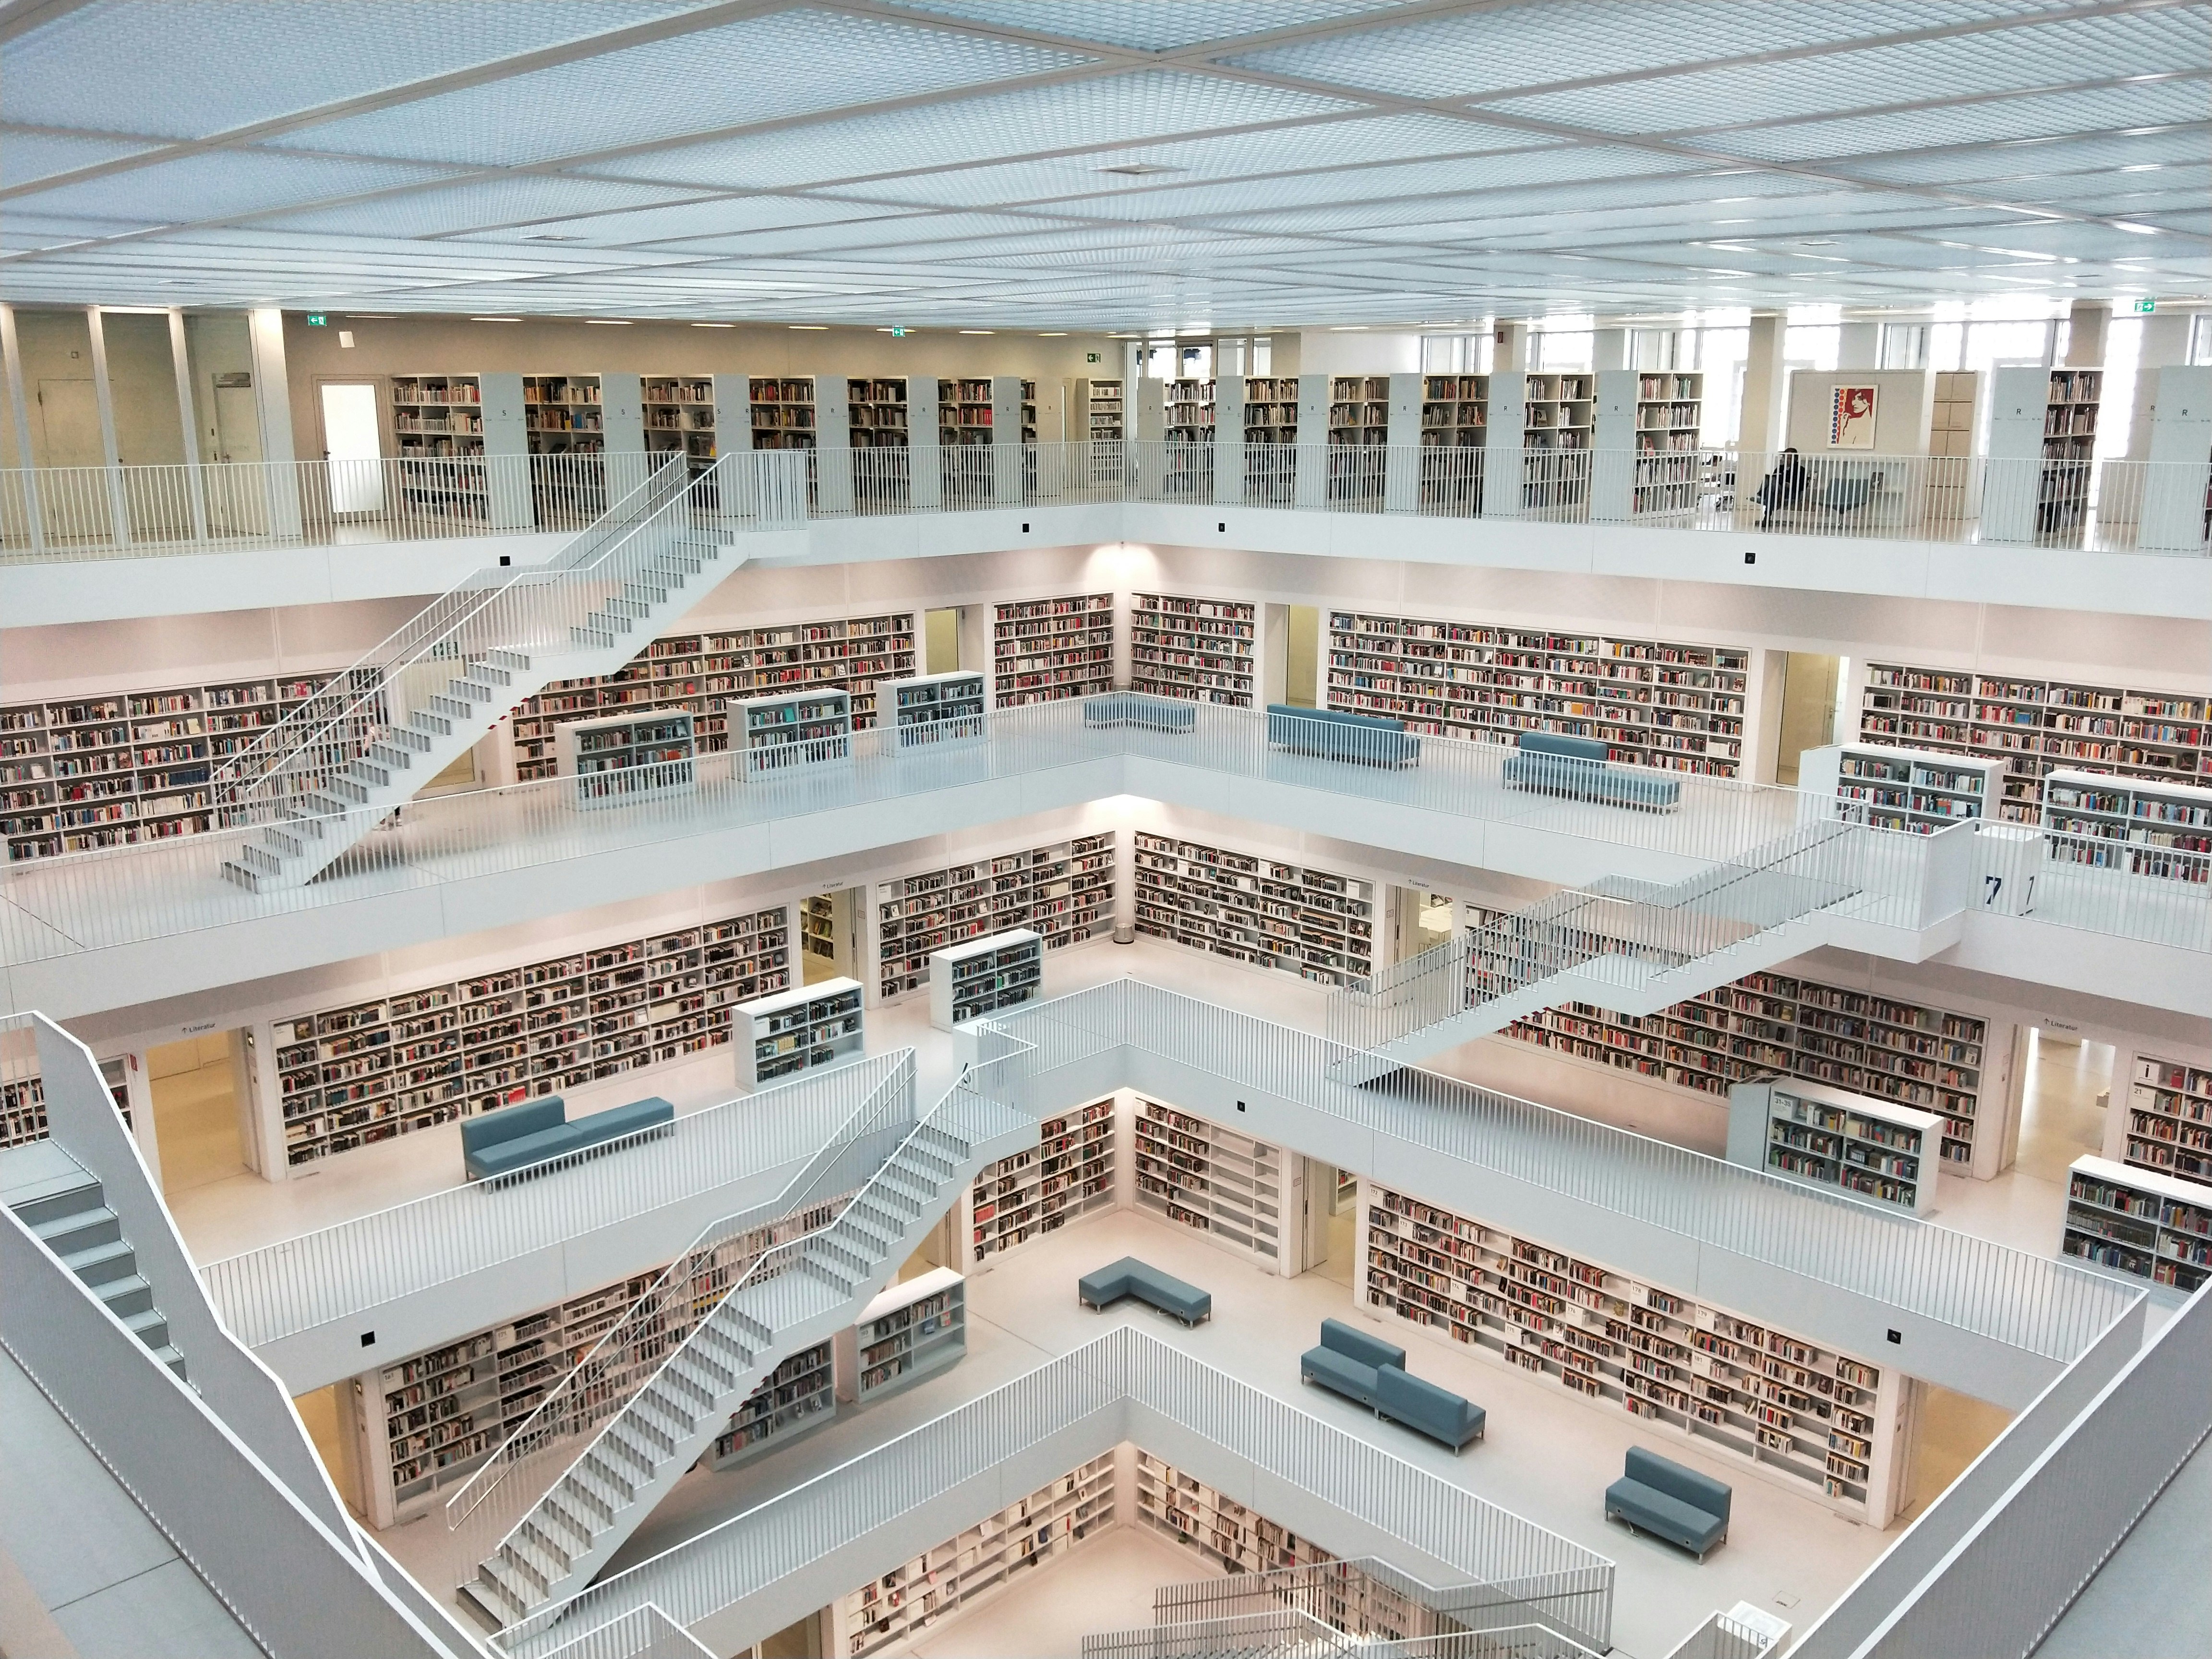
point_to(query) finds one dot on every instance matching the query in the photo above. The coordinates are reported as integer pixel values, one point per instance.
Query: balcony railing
(97, 513)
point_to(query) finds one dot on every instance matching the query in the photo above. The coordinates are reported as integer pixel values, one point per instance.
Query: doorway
(1330, 1219)
(198, 1100)
(2065, 1090)
(353, 447)
(829, 927)
(1301, 656)
(1419, 921)
(1812, 690)
(940, 640)
(1943, 1431)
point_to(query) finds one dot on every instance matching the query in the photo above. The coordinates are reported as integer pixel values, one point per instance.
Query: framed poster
(1850, 417)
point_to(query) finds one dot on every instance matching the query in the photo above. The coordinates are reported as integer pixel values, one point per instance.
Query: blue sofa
(1154, 713)
(1659, 1496)
(1132, 1277)
(1338, 734)
(1552, 764)
(500, 1143)
(1372, 1371)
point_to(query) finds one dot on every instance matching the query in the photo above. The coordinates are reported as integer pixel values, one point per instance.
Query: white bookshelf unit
(349, 1076)
(1042, 650)
(2138, 1222)
(1810, 1416)
(796, 1397)
(1063, 891)
(964, 413)
(1455, 423)
(977, 1563)
(2037, 725)
(1270, 409)
(1096, 412)
(1652, 702)
(782, 412)
(1558, 419)
(1290, 917)
(1067, 1175)
(1190, 412)
(1223, 1532)
(562, 414)
(2126, 824)
(438, 421)
(796, 1030)
(2169, 1128)
(679, 418)
(1914, 789)
(912, 1330)
(1670, 416)
(932, 711)
(1825, 1138)
(701, 672)
(985, 975)
(1193, 649)
(616, 760)
(794, 732)
(2043, 435)
(1210, 1179)
(83, 772)
(877, 412)
(1358, 411)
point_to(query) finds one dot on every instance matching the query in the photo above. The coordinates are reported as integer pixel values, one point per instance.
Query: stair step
(453, 708)
(99, 1263)
(79, 1229)
(150, 1326)
(127, 1296)
(167, 1354)
(85, 1200)
(506, 659)
(238, 876)
(426, 723)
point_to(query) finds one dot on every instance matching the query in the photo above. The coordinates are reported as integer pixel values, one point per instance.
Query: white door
(353, 447)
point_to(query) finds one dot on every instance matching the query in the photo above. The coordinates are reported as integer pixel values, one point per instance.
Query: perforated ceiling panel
(1149, 26)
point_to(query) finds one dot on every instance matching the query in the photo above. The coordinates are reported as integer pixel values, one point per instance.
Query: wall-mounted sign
(231, 379)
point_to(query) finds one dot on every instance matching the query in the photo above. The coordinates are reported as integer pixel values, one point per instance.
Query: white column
(272, 403)
(195, 483)
(1501, 455)
(506, 452)
(924, 476)
(11, 361)
(1765, 377)
(622, 424)
(2180, 444)
(103, 397)
(1401, 458)
(1229, 440)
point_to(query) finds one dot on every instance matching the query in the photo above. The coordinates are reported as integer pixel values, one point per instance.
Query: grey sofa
(1553, 764)
(1365, 1368)
(1139, 709)
(1337, 734)
(500, 1143)
(1659, 1496)
(1132, 1277)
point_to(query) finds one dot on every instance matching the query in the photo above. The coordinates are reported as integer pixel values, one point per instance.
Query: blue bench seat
(1659, 1496)
(1139, 709)
(1339, 734)
(515, 1138)
(1553, 764)
(1132, 1277)
(1366, 1368)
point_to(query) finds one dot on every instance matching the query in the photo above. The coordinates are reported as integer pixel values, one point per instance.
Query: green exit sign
(2144, 307)
(316, 320)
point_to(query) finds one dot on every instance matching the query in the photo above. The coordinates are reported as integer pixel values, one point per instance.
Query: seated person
(1784, 488)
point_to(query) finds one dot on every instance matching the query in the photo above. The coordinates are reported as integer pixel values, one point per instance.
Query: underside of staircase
(430, 712)
(641, 1452)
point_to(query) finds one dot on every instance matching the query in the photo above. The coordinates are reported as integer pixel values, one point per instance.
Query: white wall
(1904, 400)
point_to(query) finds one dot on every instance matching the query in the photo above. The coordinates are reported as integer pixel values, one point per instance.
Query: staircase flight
(66, 1209)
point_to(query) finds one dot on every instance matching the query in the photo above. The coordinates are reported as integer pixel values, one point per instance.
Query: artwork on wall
(1850, 417)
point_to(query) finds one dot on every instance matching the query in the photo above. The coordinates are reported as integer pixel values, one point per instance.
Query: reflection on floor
(1952, 1431)
(1106, 1584)
(196, 1123)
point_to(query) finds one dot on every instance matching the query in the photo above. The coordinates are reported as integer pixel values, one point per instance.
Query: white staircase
(66, 1209)
(795, 1296)
(313, 785)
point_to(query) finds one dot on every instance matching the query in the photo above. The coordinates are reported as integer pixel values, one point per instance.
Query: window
(2200, 338)
(1903, 345)
(1456, 353)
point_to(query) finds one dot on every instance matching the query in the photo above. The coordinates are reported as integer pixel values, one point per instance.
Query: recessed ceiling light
(978, 331)
(553, 236)
(495, 319)
(608, 322)
(1142, 169)
(812, 328)
(713, 324)
(1053, 334)
(2135, 230)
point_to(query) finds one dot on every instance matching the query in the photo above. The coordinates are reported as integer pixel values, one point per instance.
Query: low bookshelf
(1870, 1149)
(981, 976)
(2170, 1118)
(1063, 890)
(933, 710)
(2147, 829)
(912, 1330)
(619, 759)
(796, 1397)
(794, 732)
(1914, 789)
(2139, 1223)
(798, 1031)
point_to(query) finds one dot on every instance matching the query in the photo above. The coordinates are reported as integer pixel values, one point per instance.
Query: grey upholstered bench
(1339, 734)
(1132, 1277)
(1659, 1496)
(1551, 763)
(512, 1139)
(1140, 708)
(1372, 1371)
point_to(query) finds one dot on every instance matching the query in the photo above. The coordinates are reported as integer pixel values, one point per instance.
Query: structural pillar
(272, 403)
(11, 361)
(187, 423)
(1765, 377)
(103, 398)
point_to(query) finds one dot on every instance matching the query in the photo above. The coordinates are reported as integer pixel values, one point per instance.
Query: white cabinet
(984, 976)
(1870, 1149)
(617, 760)
(935, 710)
(798, 1031)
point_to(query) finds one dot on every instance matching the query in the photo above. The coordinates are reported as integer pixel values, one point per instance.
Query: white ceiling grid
(1100, 163)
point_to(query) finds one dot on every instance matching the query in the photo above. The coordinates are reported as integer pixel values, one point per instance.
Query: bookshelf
(1870, 1149)
(349, 1076)
(701, 672)
(1290, 917)
(1270, 409)
(1095, 411)
(794, 732)
(911, 1330)
(798, 1031)
(818, 926)
(1198, 649)
(1455, 410)
(439, 424)
(877, 412)
(1189, 411)
(1067, 1175)
(1229, 1536)
(23, 1103)
(2043, 426)
(1358, 411)
(933, 710)
(1028, 411)
(628, 756)
(1918, 790)
(2126, 824)
(782, 411)
(562, 414)
(2130, 1220)
(2036, 726)
(2169, 1128)
(1063, 891)
(1212, 1179)
(982, 976)
(1657, 418)
(978, 1562)
(679, 418)
(963, 412)
(1654, 702)
(1761, 1396)
(116, 769)
(1559, 422)
(1042, 650)
(796, 1397)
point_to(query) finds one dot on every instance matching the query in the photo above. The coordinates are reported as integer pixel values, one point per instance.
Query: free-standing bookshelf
(782, 412)
(1095, 411)
(912, 1330)
(2170, 1118)
(438, 421)
(2127, 823)
(1811, 1416)
(1919, 790)
(963, 412)
(350, 1076)
(935, 710)
(1063, 891)
(679, 418)
(2036, 726)
(2135, 1221)
(1287, 916)
(1068, 1174)
(561, 414)
(981, 976)
(796, 1397)
(1653, 702)
(1042, 650)
(628, 757)
(2043, 432)
(794, 732)
(1559, 418)
(1212, 1180)
(1871, 1148)
(1189, 411)
(878, 413)
(1455, 423)
(798, 1031)
(1200, 649)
